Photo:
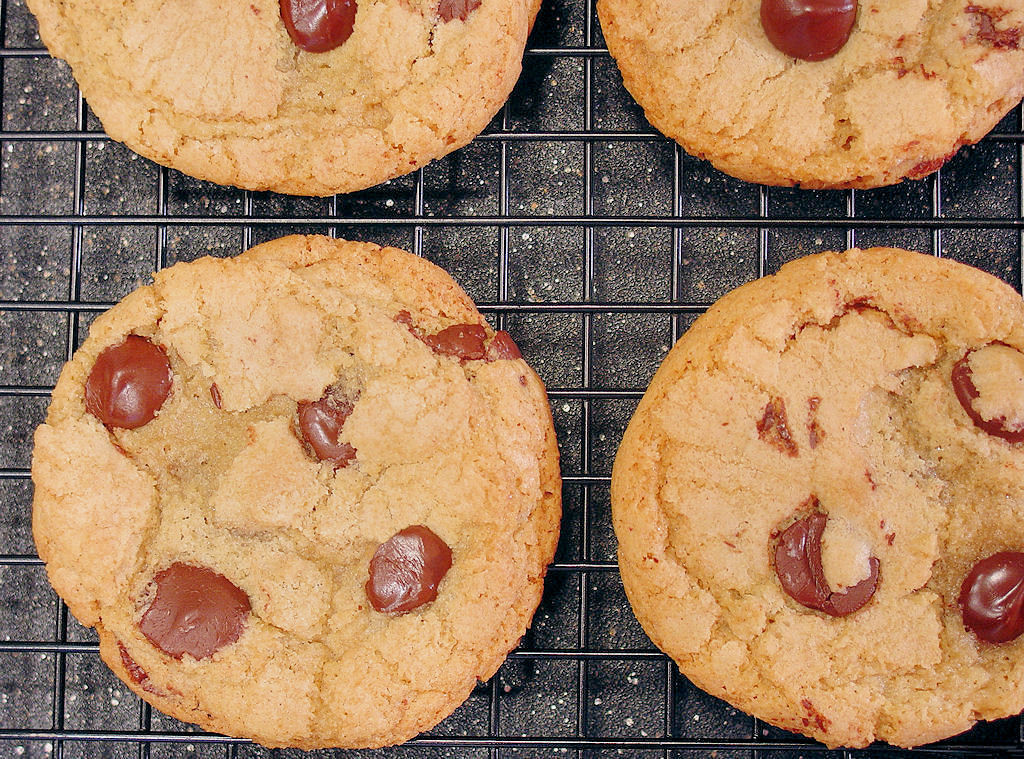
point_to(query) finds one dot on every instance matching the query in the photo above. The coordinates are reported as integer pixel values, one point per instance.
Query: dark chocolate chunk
(466, 342)
(798, 567)
(502, 347)
(815, 433)
(406, 569)
(813, 715)
(194, 611)
(128, 383)
(137, 674)
(449, 10)
(317, 26)
(463, 341)
(773, 428)
(985, 31)
(321, 422)
(992, 597)
(926, 167)
(811, 30)
(967, 392)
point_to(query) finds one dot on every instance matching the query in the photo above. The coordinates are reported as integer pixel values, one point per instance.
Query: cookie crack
(928, 58)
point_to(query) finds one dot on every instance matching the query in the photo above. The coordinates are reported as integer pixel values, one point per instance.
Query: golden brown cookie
(305, 496)
(347, 95)
(818, 501)
(913, 82)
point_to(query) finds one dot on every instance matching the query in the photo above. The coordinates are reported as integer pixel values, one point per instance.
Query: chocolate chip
(985, 31)
(773, 428)
(406, 569)
(449, 10)
(128, 383)
(926, 167)
(996, 364)
(798, 567)
(137, 674)
(815, 433)
(502, 347)
(992, 597)
(317, 26)
(195, 611)
(819, 719)
(463, 341)
(811, 30)
(321, 423)
(215, 395)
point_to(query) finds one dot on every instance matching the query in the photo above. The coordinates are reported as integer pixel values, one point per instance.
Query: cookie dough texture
(465, 448)
(220, 92)
(859, 347)
(916, 80)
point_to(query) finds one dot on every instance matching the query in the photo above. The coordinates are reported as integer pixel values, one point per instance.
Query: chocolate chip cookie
(818, 501)
(825, 93)
(305, 496)
(309, 97)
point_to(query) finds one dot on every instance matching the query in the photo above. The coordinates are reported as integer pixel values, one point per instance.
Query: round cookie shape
(336, 524)
(809, 521)
(913, 83)
(307, 97)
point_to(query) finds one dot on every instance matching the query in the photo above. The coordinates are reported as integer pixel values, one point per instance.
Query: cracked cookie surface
(821, 399)
(225, 561)
(916, 80)
(222, 93)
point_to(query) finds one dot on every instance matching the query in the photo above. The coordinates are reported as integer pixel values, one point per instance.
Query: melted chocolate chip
(502, 347)
(926, 167)
(992, 597)
(815, 433)
(137, 674)
(128, 383)
(406, 569)
(985, 31)
(811, 30)
(321, 422)
(449, 10)
(814, 715)
(773, 428)
(195, 611)
(464, 341)
(798, 567)
(317, 26)
(969, 395)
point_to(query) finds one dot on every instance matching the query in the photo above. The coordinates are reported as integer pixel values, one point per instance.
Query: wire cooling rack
(594, 240)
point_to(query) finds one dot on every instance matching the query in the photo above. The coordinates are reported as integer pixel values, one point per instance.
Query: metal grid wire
(594, 240)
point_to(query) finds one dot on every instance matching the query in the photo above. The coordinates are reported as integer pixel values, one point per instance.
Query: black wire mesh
(594, 240)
